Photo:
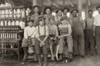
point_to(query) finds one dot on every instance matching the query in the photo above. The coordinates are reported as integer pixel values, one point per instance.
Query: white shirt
(66, 26)
(97, 20)
(29, 31)
(41, 31)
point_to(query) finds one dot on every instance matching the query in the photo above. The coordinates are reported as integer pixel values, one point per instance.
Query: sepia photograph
(49, 33)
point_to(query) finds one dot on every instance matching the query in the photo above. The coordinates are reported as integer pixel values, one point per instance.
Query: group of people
(60, 36)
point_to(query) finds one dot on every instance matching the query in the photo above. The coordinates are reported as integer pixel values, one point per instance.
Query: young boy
(29, 35)
(90, 44)
(41, 46)
(65, 39)
(53, 34)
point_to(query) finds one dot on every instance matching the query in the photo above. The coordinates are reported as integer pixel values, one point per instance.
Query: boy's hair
(63, 18)
(75, 10)
(41, 18)
(52, 17)
(97, 7)
(59, 10)
(30, 21)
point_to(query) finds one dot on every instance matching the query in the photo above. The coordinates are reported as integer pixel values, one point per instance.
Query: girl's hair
(46, 9)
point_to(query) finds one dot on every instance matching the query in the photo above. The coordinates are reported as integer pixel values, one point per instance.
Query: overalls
(78, 36)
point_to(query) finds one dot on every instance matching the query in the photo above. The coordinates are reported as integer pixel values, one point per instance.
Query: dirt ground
(77, 61)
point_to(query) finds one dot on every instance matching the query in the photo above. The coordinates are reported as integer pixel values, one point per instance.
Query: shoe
(82, 56)
(22, 63)
(45, 64)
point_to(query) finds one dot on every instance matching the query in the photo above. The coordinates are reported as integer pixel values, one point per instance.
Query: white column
(34, 2)
(80, 7)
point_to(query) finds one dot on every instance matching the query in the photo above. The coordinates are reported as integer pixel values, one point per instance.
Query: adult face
(48, 11)
(90, 13)
(74, 13)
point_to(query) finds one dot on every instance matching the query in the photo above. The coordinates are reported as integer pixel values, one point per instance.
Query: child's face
(59, 13)
(65, 21)
(30, 24)
(36, 9)
(65, 11)
(41, 22)
(51, 21)
(48, 11)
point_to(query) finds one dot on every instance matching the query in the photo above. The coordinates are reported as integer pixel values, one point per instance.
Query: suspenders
(44, 30)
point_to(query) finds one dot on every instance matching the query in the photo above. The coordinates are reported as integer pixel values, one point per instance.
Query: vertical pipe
(87, 8)
(63, 3)
(80, 7)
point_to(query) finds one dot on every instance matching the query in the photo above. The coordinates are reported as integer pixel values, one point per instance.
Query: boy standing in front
(41, 46)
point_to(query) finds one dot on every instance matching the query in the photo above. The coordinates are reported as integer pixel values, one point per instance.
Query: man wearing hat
(78, 34)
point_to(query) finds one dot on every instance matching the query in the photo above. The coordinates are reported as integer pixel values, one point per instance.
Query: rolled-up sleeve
(47, 31)
(95, 21)
(56, 31)
(25, 33)
(69, 29)
(36, 33)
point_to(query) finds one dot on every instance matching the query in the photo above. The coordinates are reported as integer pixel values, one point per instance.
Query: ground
(87, 61)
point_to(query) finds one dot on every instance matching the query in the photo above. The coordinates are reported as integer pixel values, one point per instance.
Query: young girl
(53, 34)
(65, 37)
(41, 45)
